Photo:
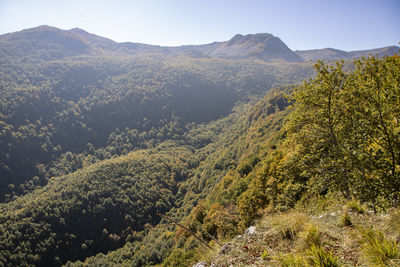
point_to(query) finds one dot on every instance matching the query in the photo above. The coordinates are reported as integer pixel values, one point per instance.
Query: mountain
(262, 46)
(45, 42)
(331, 54)
(99, 140)
(63, 91)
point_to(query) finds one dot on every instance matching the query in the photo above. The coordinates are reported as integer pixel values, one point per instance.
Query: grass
(290, 260)
(318, 256)
(377, 249)
(288, 225)
(313, 237)
(345, 219)
(355, 206)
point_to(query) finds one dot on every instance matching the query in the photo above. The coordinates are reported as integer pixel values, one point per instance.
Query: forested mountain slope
(75, 105)
(97, 138)
(62, 91)
(92, 210)
(337, 145)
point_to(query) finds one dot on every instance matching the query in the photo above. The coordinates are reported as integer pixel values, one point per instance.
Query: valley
(98, 137)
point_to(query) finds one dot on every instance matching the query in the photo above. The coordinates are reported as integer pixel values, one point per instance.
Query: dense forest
(98, 139)
(77, 104)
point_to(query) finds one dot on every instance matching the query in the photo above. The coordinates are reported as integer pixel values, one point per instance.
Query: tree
(347, 128)
(316, 128)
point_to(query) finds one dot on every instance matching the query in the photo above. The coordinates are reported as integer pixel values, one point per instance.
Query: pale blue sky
(307, 24)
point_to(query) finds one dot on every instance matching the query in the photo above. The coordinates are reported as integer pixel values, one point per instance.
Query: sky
(301, 24)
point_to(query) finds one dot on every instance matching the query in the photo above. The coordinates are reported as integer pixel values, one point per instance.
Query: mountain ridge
(336, 54)
(49, 42)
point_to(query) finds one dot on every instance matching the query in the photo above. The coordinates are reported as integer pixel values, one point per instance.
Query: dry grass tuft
(318, 256)
(345, 219)
(311, 236)
(288, 225)
(379, 250)
(355, 206)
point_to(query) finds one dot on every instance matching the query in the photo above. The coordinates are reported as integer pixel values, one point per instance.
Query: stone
(200, 264)
(250, 231)
(225, 248)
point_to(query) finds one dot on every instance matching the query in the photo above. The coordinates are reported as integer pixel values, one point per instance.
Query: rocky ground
(337, 234)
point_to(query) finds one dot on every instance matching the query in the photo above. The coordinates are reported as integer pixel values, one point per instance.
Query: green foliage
(84, 213)
(116, 104)
(312, 155)
(179, 258)
(344, 126)
(95, 144)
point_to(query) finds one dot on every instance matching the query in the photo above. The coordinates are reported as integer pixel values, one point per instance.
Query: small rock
(239, 237)
(201, 264)
(225, 248)
(250, 231)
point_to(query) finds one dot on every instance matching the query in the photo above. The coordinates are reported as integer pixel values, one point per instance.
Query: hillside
(101, 139)
(84, 213)
(331, 54)
(68, 91)
(310, 216)
(324, 232)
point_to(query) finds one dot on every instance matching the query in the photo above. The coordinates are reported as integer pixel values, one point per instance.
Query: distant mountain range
(335, 54)
(47, 42)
